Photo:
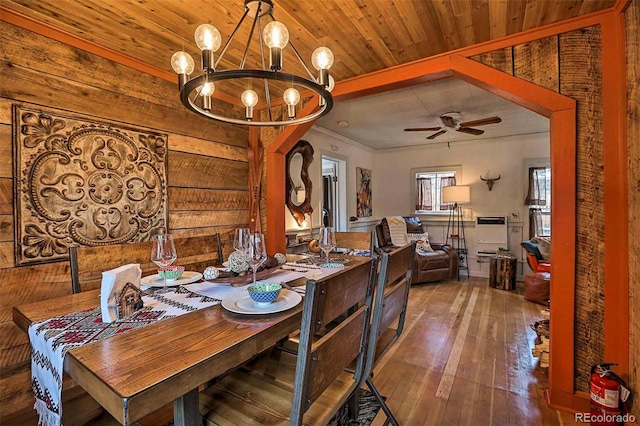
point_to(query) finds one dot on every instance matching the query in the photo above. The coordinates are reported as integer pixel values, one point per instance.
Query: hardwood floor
(465, 359)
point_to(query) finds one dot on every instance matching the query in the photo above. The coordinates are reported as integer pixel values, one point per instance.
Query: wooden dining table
(136, 373)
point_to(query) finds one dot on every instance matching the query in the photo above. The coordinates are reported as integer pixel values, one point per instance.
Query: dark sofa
(441, 264)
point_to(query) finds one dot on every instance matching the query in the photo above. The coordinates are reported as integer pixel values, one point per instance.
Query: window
(539, 201)
(428, 188)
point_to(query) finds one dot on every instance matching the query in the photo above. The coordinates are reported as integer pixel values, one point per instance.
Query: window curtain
(535, 222)
(444, 182)
(423, 194)
(537, 187)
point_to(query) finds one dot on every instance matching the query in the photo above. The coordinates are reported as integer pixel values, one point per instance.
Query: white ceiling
(378, 121)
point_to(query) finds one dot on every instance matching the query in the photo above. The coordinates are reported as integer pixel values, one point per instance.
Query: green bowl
(172, 272)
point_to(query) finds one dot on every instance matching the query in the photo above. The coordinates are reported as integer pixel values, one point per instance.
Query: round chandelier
(196, 92)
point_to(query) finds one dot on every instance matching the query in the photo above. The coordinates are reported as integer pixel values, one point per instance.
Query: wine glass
(241, 240)
(163, 254)
(256, 253)
(327, 240)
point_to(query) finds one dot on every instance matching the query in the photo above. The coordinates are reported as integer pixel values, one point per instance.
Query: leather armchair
(441, 264)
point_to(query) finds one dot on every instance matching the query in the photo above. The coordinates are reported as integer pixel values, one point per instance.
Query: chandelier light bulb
(322, 58)
(249, 98)
(208, 37)
(291, 97)
(276, 35)
(208, 89)
(182, 63)
(206, 92)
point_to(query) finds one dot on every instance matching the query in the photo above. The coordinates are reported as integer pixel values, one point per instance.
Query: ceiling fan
(453, 121)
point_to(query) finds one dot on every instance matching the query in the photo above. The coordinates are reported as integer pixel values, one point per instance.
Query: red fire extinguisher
(605, 388)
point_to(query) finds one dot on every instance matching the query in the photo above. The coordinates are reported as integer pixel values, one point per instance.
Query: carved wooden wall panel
(84, 182)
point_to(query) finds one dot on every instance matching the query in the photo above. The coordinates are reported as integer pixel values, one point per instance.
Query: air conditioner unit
(491, 234)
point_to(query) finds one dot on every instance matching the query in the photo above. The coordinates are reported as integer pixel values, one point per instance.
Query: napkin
(112, 282)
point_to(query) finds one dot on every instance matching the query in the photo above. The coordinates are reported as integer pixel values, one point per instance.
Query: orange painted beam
(533, 97)
(49, 31)
(616, 226)
(398, 77)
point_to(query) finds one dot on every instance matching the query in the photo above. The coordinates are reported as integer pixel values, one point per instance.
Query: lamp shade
(456, 194)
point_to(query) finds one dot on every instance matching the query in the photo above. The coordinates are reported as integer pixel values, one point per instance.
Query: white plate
(155, 280)
(241, 303)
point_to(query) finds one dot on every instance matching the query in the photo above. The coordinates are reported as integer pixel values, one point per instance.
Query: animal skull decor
(490, 182)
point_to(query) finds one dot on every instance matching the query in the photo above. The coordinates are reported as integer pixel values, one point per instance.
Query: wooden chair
(356, 240)
(392, 294)
(309, 388)
(88, 263)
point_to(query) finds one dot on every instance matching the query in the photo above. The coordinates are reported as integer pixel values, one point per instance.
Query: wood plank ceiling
(365, 35)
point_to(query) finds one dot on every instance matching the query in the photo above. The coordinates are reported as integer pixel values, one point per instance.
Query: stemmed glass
(163, 254)
(241, 240)
(256, 253)
(327, 240)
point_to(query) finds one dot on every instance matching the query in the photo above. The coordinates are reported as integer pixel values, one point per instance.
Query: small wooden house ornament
(128, 301)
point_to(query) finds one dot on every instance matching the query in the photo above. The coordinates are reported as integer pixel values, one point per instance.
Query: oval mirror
(298, 194)
(298, 190)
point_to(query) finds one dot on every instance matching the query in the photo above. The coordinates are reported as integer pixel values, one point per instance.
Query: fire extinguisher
(608, 391)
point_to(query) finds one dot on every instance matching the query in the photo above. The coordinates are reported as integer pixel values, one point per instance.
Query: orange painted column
(563, 267)
(616, 229)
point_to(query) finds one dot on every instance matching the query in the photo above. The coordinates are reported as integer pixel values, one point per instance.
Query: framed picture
(363, 192)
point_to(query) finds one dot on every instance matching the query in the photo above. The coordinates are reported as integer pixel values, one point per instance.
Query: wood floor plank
(477, 340)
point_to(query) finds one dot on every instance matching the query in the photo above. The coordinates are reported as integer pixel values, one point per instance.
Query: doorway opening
(334, 201)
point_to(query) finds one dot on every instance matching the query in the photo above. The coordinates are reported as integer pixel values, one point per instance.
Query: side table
(502, 272)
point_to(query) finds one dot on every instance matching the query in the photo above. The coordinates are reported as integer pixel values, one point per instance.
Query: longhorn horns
(490, 182)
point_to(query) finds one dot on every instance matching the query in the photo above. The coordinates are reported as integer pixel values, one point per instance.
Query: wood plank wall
(632, 18)
(207, 169)
(571, 64)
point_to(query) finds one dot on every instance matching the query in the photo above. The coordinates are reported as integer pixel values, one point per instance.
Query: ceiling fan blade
(422, 129)
(448, 121)
(482, 122)
(471, 131)
(435, 135)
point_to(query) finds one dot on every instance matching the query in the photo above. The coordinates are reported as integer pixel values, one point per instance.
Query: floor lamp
(457, 195)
